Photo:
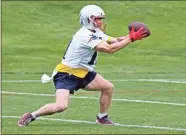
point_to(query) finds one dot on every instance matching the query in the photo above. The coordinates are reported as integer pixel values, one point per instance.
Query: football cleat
(25, 119)
(104, 120)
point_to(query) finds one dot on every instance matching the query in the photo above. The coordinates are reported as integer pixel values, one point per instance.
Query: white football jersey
(80, 52)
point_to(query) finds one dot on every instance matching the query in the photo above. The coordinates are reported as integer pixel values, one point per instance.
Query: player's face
(100, 23)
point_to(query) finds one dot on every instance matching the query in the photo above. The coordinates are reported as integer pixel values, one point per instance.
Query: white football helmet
(88, 14)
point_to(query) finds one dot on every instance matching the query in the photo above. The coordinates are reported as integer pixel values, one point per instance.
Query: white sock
(100, 115)
(33, 114)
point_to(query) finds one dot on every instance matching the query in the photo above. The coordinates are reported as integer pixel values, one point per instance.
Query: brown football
(138, 25)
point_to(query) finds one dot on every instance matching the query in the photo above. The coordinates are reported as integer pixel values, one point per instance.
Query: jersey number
(91, 62)
(67, 49)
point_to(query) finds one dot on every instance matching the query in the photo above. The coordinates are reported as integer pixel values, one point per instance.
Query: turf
(35, 35)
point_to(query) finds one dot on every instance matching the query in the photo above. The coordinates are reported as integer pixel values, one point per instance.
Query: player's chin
(102, 29)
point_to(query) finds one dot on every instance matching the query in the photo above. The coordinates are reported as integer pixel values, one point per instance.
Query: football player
(76, 70)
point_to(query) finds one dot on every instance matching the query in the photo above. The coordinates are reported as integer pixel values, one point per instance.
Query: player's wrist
(130, 38)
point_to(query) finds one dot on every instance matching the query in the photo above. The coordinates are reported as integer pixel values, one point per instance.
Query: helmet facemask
(98, 22)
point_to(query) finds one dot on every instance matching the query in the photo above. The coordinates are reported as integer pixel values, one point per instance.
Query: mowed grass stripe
(95, 98)
(118, 80)
(117, 124)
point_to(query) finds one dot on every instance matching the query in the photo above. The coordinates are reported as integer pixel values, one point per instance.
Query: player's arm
(114, 47)
(115, 39)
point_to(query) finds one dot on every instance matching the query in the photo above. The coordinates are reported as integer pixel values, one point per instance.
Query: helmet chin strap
(104, 27)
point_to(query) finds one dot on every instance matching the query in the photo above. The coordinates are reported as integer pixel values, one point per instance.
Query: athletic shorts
(70, 82)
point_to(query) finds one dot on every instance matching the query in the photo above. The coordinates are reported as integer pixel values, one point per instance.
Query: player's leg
(61, 104)
(64, 84)
(106, 89)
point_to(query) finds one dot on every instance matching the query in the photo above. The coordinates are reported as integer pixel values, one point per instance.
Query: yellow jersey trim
(109, 39)
(74, 71)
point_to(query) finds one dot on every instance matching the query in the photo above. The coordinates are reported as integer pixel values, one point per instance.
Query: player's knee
(60, 107)
(109, 88)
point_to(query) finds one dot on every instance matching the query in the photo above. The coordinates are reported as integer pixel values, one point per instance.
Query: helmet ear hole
(88, 20)
(82, 22)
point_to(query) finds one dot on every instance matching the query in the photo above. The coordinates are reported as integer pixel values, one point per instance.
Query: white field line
(117, 80)
(95, 98)
(90, 122)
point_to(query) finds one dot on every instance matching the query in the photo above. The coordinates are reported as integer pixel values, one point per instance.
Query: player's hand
(137, 35)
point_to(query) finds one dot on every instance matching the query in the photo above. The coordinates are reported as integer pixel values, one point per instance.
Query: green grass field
(34, 37)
